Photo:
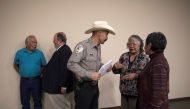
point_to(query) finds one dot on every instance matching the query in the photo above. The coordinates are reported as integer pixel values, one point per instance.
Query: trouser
(128, 102)
(86, 96)
(28, 87)
(59, 101)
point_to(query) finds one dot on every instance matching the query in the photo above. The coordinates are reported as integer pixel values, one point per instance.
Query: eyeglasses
(131, 45)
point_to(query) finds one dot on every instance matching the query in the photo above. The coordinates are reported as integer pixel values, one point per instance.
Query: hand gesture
(63, 90)
(130, 76)
(118, 65)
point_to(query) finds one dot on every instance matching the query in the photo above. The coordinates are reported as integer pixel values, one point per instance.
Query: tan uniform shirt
(85, 60)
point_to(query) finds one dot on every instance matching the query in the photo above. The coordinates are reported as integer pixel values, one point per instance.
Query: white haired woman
(129, 66)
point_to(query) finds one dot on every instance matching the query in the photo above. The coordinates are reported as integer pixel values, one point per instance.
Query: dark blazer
(55, 74)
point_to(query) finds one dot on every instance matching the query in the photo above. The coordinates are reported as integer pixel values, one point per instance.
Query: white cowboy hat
(100, 25)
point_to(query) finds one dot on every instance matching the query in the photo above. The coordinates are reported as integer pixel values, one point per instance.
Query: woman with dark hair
(153, 84)
(129, 66)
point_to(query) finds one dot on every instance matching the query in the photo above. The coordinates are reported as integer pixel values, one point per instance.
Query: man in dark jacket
(153, 84)
(57, 81)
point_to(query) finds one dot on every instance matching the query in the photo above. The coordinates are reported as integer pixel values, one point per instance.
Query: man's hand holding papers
(106, 68)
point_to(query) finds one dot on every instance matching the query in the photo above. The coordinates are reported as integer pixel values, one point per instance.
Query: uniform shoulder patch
(79, 48)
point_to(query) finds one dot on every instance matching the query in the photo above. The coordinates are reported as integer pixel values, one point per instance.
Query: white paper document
(103, 70)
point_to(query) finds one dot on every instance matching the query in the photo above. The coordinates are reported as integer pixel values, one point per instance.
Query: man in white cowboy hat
(85, 62)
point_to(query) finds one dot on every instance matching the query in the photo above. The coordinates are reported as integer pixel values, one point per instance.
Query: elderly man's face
(56, 42)
(31, 44)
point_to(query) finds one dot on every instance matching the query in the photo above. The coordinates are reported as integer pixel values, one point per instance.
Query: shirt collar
(92, 44)
(26, 50)
(155, 55)
(59, 47)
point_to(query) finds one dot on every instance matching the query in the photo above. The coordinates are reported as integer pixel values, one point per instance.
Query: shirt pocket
(91, 62)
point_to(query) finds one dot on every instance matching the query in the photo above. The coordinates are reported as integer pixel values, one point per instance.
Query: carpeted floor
(180, 104)
(174, 104)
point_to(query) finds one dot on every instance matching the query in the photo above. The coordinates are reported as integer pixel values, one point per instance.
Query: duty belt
(87, 83)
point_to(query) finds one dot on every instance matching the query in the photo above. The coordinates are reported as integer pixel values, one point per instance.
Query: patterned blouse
(129, 87)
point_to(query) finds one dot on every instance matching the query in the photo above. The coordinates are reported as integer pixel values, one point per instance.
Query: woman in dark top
(153, 84)
(129, 66)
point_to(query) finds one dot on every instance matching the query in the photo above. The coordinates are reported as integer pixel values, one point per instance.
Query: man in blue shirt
(28, 62)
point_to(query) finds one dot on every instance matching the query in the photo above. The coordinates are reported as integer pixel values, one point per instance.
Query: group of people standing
(144, 73)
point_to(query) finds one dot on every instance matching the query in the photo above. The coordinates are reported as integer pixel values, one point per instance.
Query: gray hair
(28, 38)
(140, 40)
(61, 37)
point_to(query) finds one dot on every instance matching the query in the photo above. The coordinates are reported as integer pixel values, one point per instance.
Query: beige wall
(44, 18)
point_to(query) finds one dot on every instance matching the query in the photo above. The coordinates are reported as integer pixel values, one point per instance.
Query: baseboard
(171, 100)
(117, 107)
(179, 99)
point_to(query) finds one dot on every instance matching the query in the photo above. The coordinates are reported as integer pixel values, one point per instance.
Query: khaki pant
(59, 101)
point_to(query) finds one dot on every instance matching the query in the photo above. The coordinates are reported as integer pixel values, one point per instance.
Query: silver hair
(140, 40)
(28, 38)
